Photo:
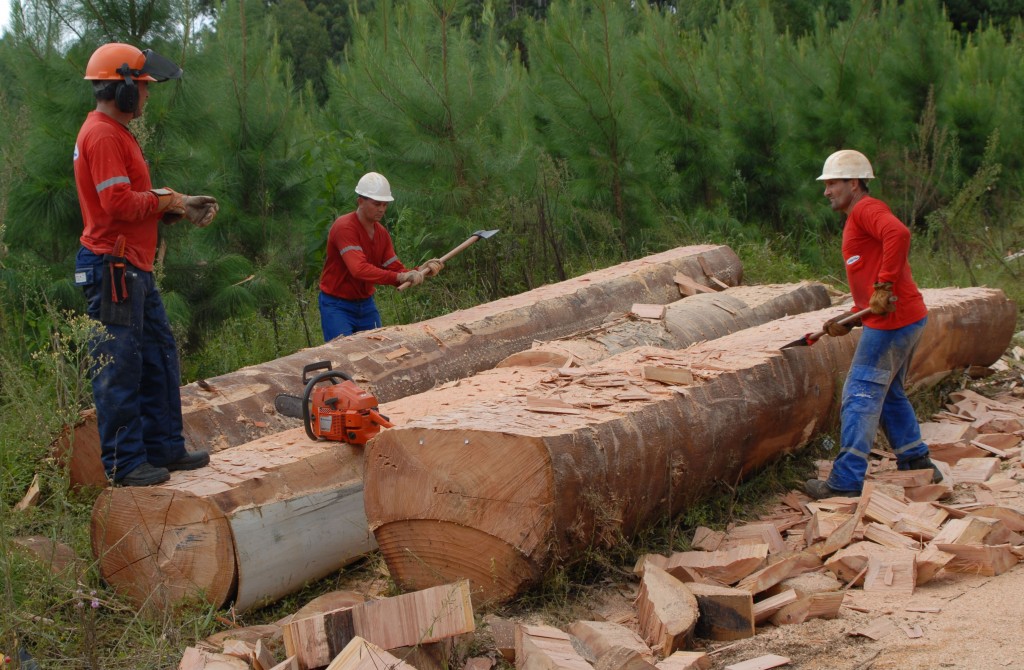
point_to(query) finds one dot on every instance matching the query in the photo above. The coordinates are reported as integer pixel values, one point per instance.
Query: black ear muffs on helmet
(126, 95)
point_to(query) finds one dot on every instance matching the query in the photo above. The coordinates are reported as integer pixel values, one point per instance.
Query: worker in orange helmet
(360, 256)
(876, 246)
(137, 380)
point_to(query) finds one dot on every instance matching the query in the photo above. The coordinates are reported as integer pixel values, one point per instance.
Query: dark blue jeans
(344, 317)
(137, 395)
(874, 394)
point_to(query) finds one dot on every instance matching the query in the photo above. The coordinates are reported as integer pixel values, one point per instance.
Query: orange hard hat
(119, 61)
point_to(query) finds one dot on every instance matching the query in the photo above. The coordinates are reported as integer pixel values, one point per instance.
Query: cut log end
(160, 546)
(423, 553)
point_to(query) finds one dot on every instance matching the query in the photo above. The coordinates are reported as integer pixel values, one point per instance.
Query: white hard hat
(375, 186)
(847, 164)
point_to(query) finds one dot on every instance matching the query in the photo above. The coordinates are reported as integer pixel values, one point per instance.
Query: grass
(71, 620)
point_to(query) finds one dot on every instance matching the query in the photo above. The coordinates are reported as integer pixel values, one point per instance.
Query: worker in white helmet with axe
(361, 256)
(876, 246)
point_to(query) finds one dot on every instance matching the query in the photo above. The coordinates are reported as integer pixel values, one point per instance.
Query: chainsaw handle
(313, 367)
(308, 393)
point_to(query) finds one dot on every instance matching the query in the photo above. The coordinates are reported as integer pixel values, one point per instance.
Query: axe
(478, 235)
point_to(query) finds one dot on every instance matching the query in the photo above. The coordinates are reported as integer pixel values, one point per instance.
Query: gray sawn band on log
(398, 361)
(268, 516)
(499, 491)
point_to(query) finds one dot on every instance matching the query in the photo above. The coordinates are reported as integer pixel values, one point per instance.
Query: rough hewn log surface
(699, 317)
(133, 528)
(398, 361)
(498, 492)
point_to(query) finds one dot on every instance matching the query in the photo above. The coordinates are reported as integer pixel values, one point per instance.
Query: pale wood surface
(685, 322)
(667, 611)
(496, 493)
(410, 619)
(360, 654)
(546, 648)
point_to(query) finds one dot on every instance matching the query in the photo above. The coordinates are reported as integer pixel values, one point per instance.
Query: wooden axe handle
(447, 257)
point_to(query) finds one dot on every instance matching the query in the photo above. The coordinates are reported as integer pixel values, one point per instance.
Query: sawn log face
(498, 493)
(236, 408)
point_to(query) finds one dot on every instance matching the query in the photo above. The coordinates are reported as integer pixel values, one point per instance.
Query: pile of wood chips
(798, 562)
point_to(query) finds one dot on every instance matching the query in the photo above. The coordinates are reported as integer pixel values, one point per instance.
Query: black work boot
(144, 475)
(818, 489)
(923, 463)
(192, 461)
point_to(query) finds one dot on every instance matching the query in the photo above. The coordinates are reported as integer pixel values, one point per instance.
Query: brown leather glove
(432, 267)
(881, 300)
(414, 277)
(170, 203)
(833, 328)
(201, 210)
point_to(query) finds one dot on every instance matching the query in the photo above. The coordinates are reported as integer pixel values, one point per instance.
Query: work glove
(881, 299)
(201, 210)
(170, 203)
(432, 268)
(414, 277)
(833, 328)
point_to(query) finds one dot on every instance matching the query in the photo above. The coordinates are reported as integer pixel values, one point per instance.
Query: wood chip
(875, 630)
(397, 353)
(760, 663)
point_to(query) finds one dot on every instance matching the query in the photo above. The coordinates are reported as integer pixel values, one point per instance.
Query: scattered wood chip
(760, 663)
(875, 630)
(647, 311)
(397, 353)
(31, 498)
(550, 406)
(668, 375)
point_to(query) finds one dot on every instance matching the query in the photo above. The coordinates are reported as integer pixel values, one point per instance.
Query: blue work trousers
(339, 316)
(874, 394)
(136, 391)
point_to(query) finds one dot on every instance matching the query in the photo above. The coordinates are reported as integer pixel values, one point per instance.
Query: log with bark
(398, 361)
(499, 492)
(701, 317)
(257, 492)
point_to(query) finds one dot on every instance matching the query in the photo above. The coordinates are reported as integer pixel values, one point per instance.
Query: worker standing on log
(136, 388)
(876, 246)
(360, 256)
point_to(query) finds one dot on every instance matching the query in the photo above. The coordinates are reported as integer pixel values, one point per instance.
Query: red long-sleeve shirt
(113, 185)
(357, 261)
(876, 246)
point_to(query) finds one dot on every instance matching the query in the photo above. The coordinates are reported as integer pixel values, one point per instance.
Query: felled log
(701, 317)
(498, 493)
(398, 361)
(319, 512)
(260, 522)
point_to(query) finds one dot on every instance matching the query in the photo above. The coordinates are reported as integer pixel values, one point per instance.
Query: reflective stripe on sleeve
(389, 261)
(110, 182)
(353, 248)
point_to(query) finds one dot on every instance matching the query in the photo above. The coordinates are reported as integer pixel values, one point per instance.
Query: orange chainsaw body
(345, 413)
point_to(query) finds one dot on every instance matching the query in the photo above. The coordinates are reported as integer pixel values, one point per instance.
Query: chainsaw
(339, 411)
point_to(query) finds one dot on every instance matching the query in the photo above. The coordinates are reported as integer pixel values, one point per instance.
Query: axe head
(484, 234)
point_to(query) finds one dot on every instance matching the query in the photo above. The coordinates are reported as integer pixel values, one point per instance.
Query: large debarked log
(398, 361)
(499, 493)
(700, 317)
(232, 531)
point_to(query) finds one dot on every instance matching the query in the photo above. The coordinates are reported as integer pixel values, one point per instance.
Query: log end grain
(160, 546)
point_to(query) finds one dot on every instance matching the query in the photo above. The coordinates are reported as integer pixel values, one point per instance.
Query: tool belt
(115, 286)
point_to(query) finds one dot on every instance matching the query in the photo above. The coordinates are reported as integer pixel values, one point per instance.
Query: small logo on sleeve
(852, 260)
(76, 152)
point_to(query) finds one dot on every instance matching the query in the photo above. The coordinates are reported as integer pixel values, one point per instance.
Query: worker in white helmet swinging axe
(360, 257)
(876, 245)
